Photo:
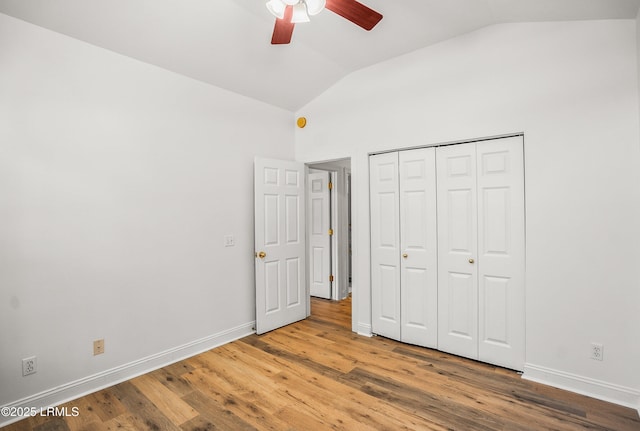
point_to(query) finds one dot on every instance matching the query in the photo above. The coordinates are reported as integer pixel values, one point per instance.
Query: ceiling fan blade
(355, 12)
(283, 29)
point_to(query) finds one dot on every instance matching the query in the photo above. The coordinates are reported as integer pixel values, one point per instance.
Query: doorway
(337, 230)
(281, 235)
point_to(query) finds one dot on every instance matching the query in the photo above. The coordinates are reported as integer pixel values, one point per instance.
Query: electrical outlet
(98, 347)
(229, 241)
(597, 351)
(29, 365)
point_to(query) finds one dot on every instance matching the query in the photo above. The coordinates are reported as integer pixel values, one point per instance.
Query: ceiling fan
(290, 12)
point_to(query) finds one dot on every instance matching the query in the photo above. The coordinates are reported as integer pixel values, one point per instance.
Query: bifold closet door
(457, 245)
(481, 251)
(403, 246)
(385, 244)
(418, 242)
(501, 247)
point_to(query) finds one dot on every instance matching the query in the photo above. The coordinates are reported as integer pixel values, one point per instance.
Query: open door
(319, 211)
(281, 295)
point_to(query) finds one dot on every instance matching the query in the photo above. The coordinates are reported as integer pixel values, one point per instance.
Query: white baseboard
(601, 390)
(364, 329)
(76, 389)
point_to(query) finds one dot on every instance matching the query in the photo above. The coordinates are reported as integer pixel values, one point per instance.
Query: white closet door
(501, 293)
(319, 239)
(418, 239)
(385, 245)
(457, 245)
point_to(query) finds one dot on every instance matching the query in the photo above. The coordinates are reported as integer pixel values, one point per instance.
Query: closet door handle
(471, 260)
(405, 255)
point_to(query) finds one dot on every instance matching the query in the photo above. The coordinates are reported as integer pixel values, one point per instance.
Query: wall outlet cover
(597, 351)
(29, 365)
(98, 347)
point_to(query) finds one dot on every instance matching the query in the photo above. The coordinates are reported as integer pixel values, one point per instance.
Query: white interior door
(281, 296)
(385, 245)
(500, 172)
(418, 240)
(319, 210)
(457, 248)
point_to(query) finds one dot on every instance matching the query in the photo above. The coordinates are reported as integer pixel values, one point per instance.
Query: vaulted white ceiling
(227, 42)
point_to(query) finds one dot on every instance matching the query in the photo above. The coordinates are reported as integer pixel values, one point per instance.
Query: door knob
(261, 255)
(471, 260)
(405, 255)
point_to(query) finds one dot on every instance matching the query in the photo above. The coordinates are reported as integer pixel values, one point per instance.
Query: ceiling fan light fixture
(314, 7)
(297, 11)
(300, 13)
(276, 7)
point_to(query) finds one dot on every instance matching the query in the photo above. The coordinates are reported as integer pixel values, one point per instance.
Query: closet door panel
(457, 247)
(385, 245)
(461, 302)
(500, 168)
(418, 239)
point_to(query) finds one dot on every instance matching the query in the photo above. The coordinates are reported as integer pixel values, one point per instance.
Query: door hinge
(331, 278)
(330, 232)
(330, 185)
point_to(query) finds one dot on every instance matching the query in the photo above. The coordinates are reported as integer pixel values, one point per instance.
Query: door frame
(340, 207)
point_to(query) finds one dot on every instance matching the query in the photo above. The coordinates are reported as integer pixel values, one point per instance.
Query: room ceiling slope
(227, 42)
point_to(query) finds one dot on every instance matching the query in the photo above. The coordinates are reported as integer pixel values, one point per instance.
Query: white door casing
(279, 203)
(385, 245)
(457, 245)
(319, 253)
(338, 219)
(418, 240)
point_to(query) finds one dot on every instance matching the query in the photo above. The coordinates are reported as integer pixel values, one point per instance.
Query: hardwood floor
(317, 374)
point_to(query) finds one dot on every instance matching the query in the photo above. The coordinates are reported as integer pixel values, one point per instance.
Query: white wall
(572, 88)
(118, 182)
(638, 48)
(638, 68)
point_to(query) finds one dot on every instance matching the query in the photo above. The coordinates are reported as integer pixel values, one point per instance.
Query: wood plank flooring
(317, 375)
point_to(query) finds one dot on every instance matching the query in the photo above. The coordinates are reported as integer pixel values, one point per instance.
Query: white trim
(599, 389)
(444, 144)
(337, 235)
(364, 329)
(87, 385)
